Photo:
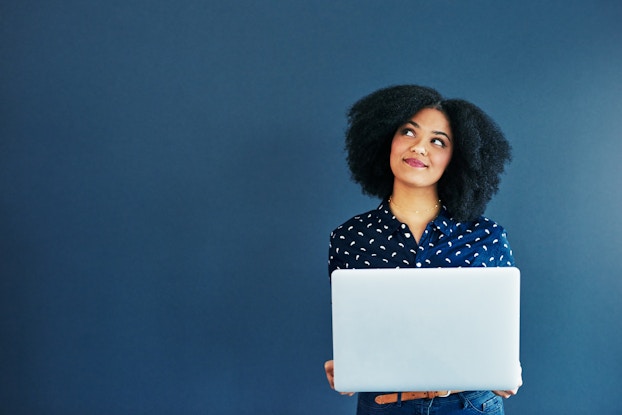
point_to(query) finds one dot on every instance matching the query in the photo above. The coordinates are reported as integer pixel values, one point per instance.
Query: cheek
(442, 160)
(398, 147)
(395, 151)
(395, 157)
(446, 160)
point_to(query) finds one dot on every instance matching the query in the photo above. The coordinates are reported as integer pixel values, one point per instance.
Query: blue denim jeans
(463, 403)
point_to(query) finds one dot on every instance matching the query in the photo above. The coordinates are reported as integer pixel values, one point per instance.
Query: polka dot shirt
(377, 239)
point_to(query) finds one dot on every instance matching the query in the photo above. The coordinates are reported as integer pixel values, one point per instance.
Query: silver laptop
(426, 329)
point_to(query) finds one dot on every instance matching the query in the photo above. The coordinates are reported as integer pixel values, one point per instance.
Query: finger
(330, 373)
(506, 394)
(329, 365)
(331, 382)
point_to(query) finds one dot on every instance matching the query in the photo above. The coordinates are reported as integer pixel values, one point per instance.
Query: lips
(412, 162)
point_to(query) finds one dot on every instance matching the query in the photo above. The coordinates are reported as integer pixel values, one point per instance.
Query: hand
(507, 394)
(329, 368)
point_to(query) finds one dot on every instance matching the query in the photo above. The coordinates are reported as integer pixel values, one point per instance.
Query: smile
(412, 162)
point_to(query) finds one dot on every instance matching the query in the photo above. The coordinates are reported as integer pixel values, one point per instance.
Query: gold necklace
(391, 202)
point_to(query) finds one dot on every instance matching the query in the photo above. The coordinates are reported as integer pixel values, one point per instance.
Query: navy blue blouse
(377, 239)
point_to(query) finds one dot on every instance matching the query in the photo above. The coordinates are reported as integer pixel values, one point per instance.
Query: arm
(329, 368)
(506, 259)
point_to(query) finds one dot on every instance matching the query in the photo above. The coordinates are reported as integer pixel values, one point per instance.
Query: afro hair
(479, 156)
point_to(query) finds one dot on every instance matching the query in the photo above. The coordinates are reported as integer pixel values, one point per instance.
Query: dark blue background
(170, 172)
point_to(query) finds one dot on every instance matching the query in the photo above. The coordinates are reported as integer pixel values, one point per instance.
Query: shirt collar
(443, 222)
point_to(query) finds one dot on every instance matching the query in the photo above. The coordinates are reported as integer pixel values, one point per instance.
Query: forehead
(432, 120)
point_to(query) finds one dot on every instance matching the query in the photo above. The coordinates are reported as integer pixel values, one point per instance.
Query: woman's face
(421, 149)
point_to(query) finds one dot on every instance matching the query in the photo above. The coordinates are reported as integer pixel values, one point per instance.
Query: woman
(435, 163)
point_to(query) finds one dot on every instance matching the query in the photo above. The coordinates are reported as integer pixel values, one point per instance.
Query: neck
(415, 208)
(415, 200)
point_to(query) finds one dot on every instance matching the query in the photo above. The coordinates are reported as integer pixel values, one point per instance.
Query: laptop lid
(426, 329)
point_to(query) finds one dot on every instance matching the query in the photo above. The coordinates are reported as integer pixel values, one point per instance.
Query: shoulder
(377, 220)
(480, 228)
(361, 241)
(483, 226)
(360, 223)
(484, 238)
(483, 232)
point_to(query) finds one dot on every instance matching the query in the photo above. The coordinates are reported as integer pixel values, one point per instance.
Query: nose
(419, 148)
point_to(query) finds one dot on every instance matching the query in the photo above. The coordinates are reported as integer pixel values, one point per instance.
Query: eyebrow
(414, 124)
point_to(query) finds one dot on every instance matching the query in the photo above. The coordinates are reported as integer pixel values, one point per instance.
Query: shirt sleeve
(503, 256)
(335, 256)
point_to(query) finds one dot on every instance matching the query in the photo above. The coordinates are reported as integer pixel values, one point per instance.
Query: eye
(408, 131)
(438, 142)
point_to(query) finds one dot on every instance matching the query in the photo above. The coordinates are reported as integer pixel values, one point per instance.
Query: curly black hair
(479, 156)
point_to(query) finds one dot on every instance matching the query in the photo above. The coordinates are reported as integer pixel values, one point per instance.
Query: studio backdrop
(170, 172)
